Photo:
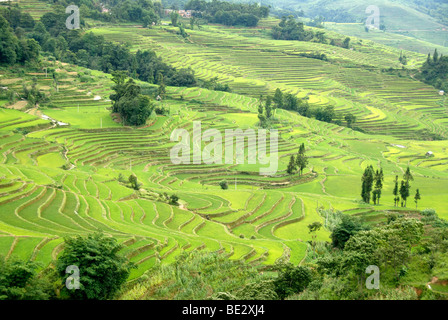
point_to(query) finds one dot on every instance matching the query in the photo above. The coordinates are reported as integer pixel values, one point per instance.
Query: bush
(292, 280)
(223, 185)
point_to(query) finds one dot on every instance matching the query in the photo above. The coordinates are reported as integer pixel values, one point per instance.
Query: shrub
(223, 185)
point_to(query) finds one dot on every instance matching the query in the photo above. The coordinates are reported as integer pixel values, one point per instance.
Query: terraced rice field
(58, 180)
(351, 81)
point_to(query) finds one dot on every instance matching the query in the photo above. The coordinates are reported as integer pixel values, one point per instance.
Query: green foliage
(350, 119)
(223, 185)
(291, 165)
(213, 84)
(345, 229)
(435, 71)
(102, 270)
(174, 18)
(174, 200)
(19, 281)
(301, 160)
(262, 290)
(13, 50)
(133, 107)
(291, 280)
(367, 184)
(133, 180)
(199, 275)
(289, 29)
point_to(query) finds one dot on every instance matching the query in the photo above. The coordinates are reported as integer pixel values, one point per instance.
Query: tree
(291, 165)
(8, 43)
(192, 22)
(346, 43)
(403, 59)
(395, 192)
(268, 108)
(278, 98)
(404, 192)
(291, 280)
(350, 119)
(133, 107)
(393, 251)
(102, 271)
(313, 228)
(408, 175)
(367, 184)
(302, 148)
(223, 185)
(435, 57)
(174, 18)
(134, 182)
(19, 281)
(344, 230)
(417, 197)
(378, 178)
(174, 200)
(301, 162)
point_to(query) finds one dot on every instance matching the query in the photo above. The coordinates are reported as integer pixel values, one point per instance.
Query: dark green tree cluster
(213, 84)
(19, 280)
(223, 184)
(403, 59)
(289, 101)
(372, 185)
(133, 181)
(15, 49)
(435, 71)
(265, 112)
(403, 190)
(405, 187)
(227, 13)
(291, 280)
(290, 29)
(396, 247)
(350, 119)
(133, 107)
(94, 52)
(102, 270)
(172, 199)
(298, 163)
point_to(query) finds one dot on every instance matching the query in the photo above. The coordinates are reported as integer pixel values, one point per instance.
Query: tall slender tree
(278, 98)
(417, 197)
(379, 179)
(301, 159)
(367, 184)
(291, 165)
(395, 192)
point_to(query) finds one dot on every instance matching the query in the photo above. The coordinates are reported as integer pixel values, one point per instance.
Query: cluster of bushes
(229, 14)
